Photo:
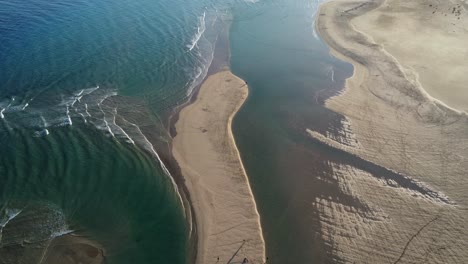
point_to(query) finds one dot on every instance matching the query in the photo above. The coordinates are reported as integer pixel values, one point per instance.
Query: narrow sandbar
(228, 224)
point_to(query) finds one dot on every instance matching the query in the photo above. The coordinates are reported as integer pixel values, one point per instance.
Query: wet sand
(428, 38)
(394, 122)
(228, 224)
(66, 249)
(74, 249)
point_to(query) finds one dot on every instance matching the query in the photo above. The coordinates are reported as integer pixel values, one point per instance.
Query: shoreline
(335, 39)
(219, 63)
(397, 125)
(227, 221)
(377, 76)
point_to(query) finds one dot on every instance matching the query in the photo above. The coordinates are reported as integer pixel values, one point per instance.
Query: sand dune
(399, 125)
(227, 220)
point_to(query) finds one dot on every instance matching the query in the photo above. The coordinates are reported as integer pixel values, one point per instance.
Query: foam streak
(200, 30)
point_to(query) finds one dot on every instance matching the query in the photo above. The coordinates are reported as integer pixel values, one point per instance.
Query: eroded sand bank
(227, 219)
(396, 124)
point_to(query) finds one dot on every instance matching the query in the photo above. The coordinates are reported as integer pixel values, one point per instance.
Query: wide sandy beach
(404, 109)
(228, 224)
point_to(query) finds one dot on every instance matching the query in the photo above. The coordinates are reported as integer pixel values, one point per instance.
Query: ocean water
(86, 89)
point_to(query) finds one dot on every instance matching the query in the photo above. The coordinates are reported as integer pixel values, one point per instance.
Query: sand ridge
(228, 223)
(400, 126)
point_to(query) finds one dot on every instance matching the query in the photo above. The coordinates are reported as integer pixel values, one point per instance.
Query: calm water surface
(289, 72)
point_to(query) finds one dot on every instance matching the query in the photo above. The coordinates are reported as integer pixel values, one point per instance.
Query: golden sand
(228, 223)
(390, 107)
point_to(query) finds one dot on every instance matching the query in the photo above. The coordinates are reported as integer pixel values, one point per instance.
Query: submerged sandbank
(228, 224)
(396, 124)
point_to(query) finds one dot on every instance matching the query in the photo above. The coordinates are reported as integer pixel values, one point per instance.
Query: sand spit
(396, 124)
(227, 219)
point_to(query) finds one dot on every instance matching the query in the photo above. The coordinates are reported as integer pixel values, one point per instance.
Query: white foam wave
(47, 222)
(200, 30)
(68, 116)
(205, 44)
(314, 6)
(196, 80)
(41, 133)
(62, 232)
(129, 139)
(87, 91)
(79, 93)
(10, 213)
(74, 101)
(2, 116)
(149, 147)
(44, 122)
(82, 108)
(113, 93)
(86, 110)
(83, 116)
(106, 124)
(201, 71)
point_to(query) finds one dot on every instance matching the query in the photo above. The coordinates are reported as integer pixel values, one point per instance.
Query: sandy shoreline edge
(352, 46)
(397, 95)
(228, 224)
(396, 124)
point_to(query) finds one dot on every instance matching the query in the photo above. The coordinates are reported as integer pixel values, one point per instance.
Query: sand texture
(228, 223)
(428, 37)
(396, 124)
(66, 249)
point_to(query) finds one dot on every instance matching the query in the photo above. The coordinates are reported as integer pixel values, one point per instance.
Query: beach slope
(228, 224)
(404, 112)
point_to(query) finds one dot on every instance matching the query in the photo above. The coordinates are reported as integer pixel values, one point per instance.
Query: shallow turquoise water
(113, 192)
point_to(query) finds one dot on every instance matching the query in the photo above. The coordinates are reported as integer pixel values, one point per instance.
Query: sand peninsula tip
(228, 223)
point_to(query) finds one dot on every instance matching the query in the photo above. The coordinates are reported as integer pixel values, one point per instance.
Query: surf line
(150, 148)
(8, 106)
(200, 30)
(121, 129)
(45, 125)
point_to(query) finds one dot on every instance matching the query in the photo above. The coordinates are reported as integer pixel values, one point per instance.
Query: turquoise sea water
(85, 90)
